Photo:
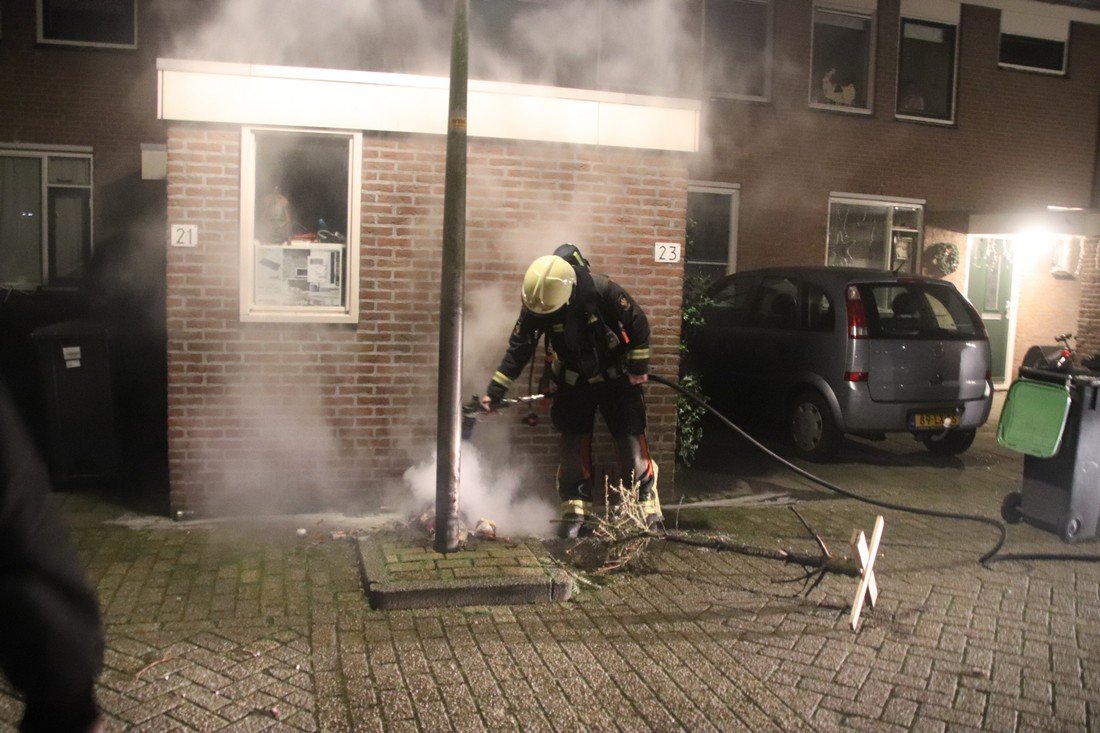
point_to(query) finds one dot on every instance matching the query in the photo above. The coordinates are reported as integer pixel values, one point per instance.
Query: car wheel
(950, 442)
(813, 430)
(1010, 507)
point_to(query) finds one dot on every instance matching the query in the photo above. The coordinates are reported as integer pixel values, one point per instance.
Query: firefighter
(598, 360)
(51, 638)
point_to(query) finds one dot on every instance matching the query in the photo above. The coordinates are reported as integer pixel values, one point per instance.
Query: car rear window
(918, 311)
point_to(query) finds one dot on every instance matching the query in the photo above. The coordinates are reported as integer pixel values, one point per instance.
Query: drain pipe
(449, 423)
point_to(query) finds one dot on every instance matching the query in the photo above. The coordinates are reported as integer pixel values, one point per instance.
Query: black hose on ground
(986, 559)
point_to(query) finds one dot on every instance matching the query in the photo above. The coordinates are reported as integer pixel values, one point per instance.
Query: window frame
(250, 311)
(916, 244)
(47, 278)
(910, 116)
(871, 16)
(732, 191)
(130, 10)
(1038, 28)
(769, 53)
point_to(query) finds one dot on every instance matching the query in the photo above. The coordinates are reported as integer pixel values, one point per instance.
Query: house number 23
(666, 252)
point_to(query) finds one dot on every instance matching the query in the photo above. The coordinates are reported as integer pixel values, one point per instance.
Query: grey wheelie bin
(1053, 418)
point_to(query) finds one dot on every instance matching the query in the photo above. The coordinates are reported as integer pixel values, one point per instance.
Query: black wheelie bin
(75, 365)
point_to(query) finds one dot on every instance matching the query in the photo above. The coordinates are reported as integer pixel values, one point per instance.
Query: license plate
(931, 420)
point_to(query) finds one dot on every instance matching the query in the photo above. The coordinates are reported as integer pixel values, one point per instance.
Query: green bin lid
(1034, 417)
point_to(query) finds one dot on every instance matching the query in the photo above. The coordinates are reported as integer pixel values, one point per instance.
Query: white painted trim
(1069, 223)
(858, 6)
(870, 198)
(358, 100)
(33, 147)
(1033, 25)
(1033, 7)
(939, 11)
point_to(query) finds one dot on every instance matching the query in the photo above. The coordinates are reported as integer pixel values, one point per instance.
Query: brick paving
(247, 627)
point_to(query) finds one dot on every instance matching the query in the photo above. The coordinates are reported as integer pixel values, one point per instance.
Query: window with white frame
(881, 233)
(300, 225)
(45, 217)
(842, 56)
(1033, 43)
(713, 210)
(737, 48)
(926, 70)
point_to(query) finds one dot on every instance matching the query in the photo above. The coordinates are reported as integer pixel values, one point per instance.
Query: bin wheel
(1070, 527)
(1010, 507)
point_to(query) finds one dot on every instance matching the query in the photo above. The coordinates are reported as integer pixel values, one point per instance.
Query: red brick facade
(315, 416)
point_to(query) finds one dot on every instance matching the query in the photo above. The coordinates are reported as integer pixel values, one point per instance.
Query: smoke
(485, 491)
(637, 44)
(491, 484)
(284, 457)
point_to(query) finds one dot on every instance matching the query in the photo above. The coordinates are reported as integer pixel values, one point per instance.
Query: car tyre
(950, 442)
(813, 430)
(1010, 507)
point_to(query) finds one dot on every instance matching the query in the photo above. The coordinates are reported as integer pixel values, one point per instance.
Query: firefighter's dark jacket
(598, 335)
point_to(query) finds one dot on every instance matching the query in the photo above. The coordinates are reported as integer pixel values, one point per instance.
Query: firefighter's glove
(494, 396)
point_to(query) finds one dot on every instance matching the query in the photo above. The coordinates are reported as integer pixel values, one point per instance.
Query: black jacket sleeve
(632, 324)
(521, 347)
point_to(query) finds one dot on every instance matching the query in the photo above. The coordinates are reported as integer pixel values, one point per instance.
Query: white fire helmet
(548, 284)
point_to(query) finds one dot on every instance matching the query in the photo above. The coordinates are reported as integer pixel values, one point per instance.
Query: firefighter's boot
(649, 499)
(575, 486)
(576, 519)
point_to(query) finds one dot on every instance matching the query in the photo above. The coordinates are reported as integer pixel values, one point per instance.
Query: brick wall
(1088, 326)
(1020, 140)
(1047, 305)
(329, 416)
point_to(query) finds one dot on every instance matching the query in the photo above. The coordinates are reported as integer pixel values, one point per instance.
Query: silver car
(828, 350)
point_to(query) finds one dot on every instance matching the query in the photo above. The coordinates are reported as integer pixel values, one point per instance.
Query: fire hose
(989, 557)
(473, 409)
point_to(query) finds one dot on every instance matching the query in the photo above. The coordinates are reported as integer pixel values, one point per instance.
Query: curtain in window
(20, 221)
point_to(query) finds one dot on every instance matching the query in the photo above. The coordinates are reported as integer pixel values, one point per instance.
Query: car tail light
(857, 314)
(856, 376)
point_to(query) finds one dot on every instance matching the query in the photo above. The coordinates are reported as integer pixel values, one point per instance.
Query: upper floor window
(636, 46)
(109, 23)
(45, 217)
(926, 70)
(842, 58)
(300, 225)
(737, 48)
(509, 42)
(1033, 43)
(881, 233)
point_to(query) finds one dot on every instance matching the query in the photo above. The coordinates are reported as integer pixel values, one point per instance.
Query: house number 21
(183, 235)
(666, 252)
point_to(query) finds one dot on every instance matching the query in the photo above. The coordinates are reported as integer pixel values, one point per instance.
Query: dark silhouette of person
(51, 635)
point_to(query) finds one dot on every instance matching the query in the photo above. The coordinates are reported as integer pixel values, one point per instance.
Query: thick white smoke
(492, 492)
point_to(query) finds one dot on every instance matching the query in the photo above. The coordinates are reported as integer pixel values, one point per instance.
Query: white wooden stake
(867, 584)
